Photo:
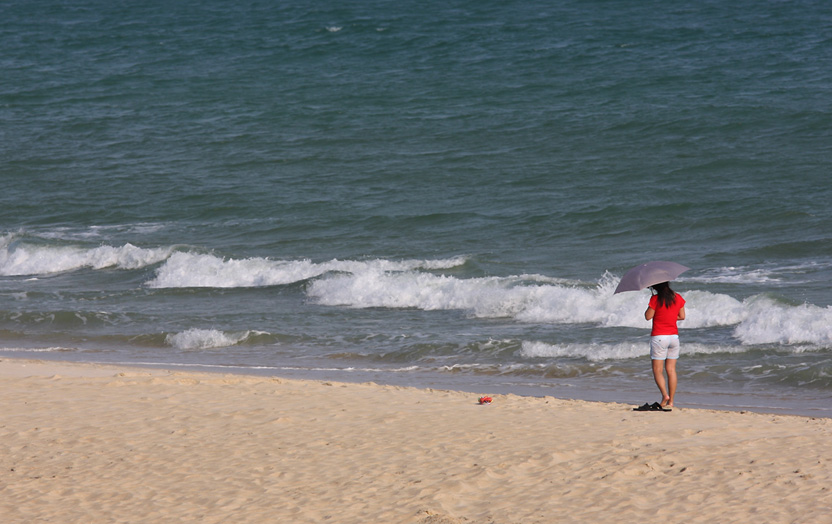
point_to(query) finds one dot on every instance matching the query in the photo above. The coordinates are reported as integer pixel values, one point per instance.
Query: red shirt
(664, 321)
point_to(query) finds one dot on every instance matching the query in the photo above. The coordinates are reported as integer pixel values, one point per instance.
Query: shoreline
(635, 391)
(104, 443)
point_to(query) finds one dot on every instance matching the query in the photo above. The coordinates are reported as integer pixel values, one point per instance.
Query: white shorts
(663, 347)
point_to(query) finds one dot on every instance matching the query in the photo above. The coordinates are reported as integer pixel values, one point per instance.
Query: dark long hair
(666, 296)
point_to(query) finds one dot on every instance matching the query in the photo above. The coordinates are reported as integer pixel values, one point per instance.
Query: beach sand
(90, 443)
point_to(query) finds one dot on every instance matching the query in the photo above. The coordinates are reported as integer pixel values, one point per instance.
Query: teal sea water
(438, 194)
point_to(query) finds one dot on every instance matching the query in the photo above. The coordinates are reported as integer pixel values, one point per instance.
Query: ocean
(431, 194)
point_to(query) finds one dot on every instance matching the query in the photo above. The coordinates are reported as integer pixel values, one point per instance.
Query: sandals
(655, 406)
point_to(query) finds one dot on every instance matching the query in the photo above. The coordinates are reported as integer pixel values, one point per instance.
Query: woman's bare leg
(658, 376)
(670, 367)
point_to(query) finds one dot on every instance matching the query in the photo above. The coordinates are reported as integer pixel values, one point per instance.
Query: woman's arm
(681, 315)
(650, 313)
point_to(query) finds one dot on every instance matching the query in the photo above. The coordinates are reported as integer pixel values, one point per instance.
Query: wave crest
(19, 259)
(530, 299)
(205, 339)
(201, 270)
(767, 322)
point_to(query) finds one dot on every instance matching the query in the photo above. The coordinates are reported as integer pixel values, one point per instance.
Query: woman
(664, 309)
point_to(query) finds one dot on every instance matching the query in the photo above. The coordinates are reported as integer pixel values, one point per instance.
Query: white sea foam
(527, 299)
(523, 298)
(771, 275)
(201, 270)
(620, 351)
(31, 259)
(735, 275)
(593, 352)
(74, 234)
(53, 349)
(768, 322)
(205, 339)
(416, 284)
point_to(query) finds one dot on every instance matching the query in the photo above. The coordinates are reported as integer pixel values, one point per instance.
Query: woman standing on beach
(665, 308)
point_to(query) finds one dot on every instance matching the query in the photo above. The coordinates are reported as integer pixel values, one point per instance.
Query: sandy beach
(88, 443)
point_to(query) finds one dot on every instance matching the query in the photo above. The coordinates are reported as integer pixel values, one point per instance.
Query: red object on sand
(485, 400)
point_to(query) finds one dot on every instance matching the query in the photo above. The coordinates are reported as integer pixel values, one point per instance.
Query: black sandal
(655, 406)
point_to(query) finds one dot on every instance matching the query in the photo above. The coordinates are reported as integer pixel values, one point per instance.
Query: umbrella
(649, 274)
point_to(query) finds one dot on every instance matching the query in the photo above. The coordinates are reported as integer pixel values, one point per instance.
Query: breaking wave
(201, 270)
(535, 299)
(22, 258)
(206, 339)
(423, 284)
